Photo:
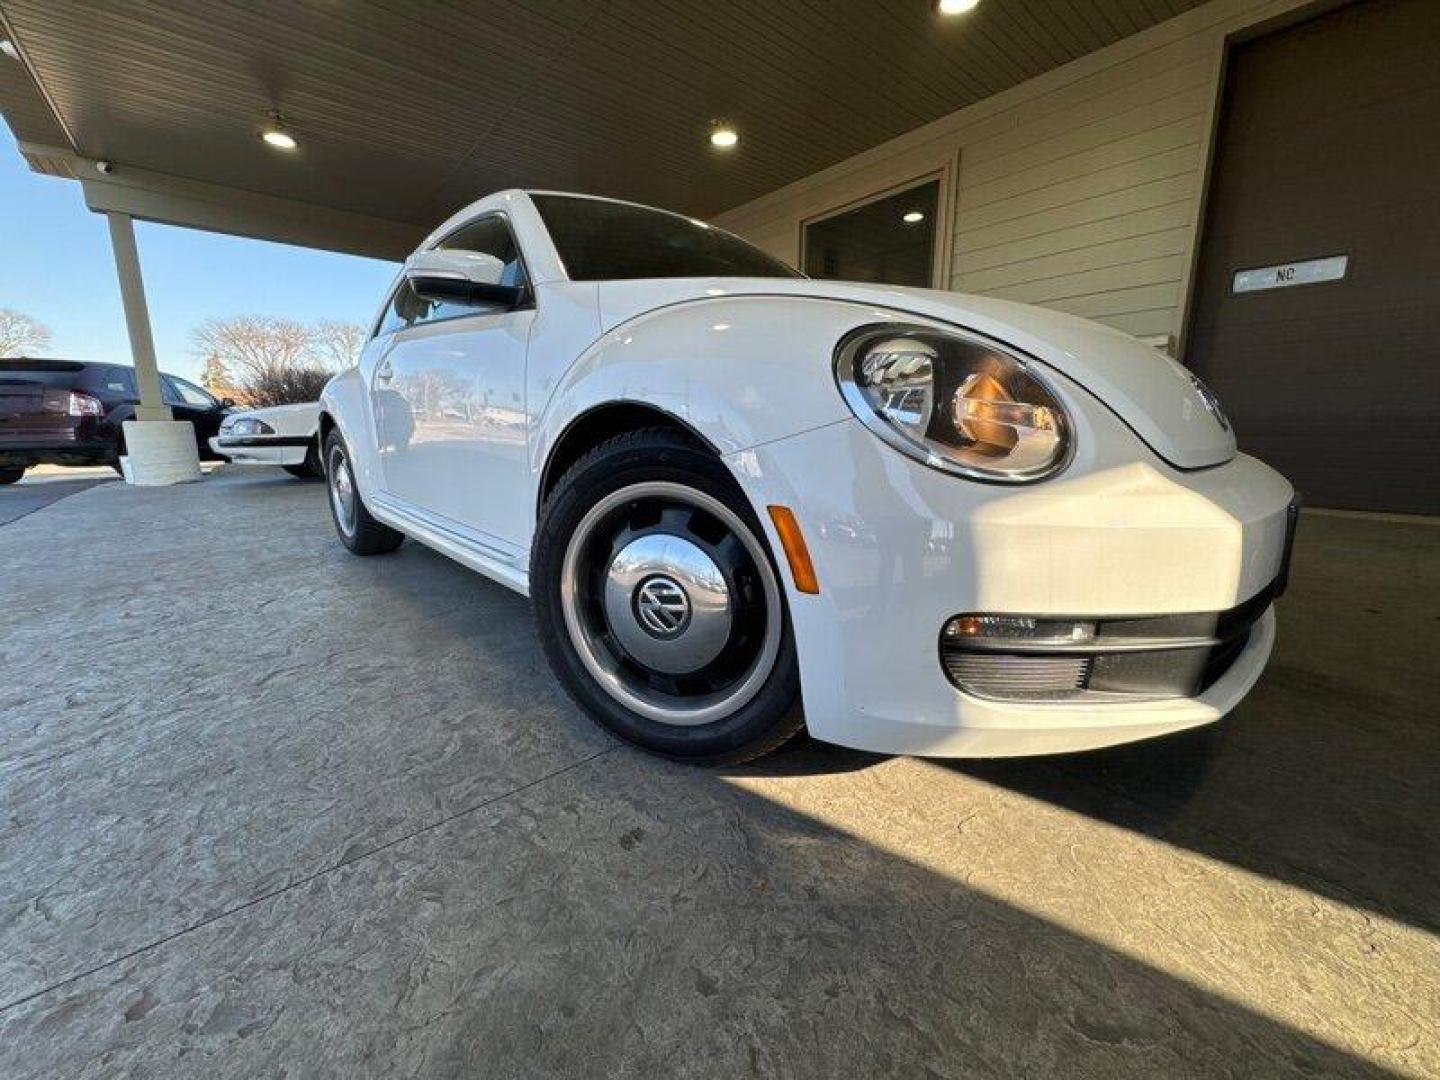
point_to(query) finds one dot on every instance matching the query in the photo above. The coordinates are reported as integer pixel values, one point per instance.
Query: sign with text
(1285, 275)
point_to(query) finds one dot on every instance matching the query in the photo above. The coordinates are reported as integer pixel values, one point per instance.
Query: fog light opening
(1012, 630)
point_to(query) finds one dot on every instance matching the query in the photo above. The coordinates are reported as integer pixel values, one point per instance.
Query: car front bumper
(262, 449)
(900, 549)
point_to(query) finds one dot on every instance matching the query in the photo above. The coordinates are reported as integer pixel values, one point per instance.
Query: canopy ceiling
(407, 110)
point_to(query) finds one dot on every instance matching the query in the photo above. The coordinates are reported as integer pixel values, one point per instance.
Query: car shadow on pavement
(20, 500)
(1328, 774)
(804, 756)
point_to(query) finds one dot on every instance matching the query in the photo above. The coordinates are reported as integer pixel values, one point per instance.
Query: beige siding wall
(1079, 190)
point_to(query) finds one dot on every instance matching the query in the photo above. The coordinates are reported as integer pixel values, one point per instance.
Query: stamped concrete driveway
(271, 810)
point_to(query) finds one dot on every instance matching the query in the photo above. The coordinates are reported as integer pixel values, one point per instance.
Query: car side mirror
(461, 277)
(227, 402)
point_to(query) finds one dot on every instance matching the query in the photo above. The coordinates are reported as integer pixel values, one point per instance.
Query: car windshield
(66, 375)
(60, 378)
(607, 241)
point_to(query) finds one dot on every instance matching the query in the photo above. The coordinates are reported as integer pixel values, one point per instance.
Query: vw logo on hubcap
(662, 607)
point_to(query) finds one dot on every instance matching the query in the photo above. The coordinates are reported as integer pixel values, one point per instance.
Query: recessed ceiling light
(8, 48)
(723, 136)
(912, 217)
(276, 134)
(956, 7)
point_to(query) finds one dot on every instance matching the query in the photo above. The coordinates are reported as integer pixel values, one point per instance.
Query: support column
(137, 318)
(159, 448)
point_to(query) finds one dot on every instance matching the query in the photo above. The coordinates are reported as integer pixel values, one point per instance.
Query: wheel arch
(344, 407)
(604, 421)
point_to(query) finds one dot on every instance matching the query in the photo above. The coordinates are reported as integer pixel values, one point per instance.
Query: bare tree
(249, 345)
(285, 386)
(339, 343)
(277, 361)
(20, 334)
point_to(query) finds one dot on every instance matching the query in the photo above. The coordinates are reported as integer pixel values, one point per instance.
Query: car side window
(489, 235)
(109, 379)
(180, 392)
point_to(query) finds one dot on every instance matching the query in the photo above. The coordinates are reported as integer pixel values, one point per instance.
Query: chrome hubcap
(671, 603)
(342, 491)
(667, 602)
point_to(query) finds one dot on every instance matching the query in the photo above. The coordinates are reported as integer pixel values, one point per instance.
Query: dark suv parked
(60, 412)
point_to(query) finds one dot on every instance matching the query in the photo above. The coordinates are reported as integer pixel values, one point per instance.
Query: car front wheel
(309, 469)
(359, 532)
(10, 474)
(659, 605)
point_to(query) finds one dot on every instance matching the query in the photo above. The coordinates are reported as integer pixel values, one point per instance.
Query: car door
(448, 397)
(188, 402)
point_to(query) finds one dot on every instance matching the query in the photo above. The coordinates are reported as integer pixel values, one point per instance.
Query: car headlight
(955, 402)
(251, 426)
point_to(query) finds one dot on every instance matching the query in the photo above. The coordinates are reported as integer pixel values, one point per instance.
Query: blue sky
(56, 266)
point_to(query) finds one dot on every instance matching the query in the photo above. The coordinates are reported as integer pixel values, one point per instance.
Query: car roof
(607, 199)
(50, 363)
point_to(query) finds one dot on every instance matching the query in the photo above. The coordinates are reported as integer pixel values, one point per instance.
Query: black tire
(114, 462)
(357, 530)
(670, 485)
(309, 469)
(10, 474)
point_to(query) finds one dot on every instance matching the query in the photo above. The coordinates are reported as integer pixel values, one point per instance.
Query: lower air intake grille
(1010, 677)
(1130, 658)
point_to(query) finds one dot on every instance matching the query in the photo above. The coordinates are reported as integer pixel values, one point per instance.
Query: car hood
(1155, 396)
(298, 419)
(307, 408)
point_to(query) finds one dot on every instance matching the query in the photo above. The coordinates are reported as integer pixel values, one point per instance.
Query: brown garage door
(1329, 144)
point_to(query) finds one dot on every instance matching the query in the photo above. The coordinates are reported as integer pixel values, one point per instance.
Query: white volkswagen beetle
(948, 525)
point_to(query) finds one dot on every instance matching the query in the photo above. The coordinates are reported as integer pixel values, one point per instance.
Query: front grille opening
(1017, 678)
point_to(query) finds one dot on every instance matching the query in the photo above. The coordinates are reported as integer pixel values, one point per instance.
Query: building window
(890, 240)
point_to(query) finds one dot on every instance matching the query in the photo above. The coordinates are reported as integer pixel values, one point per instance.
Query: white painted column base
(160, 452)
